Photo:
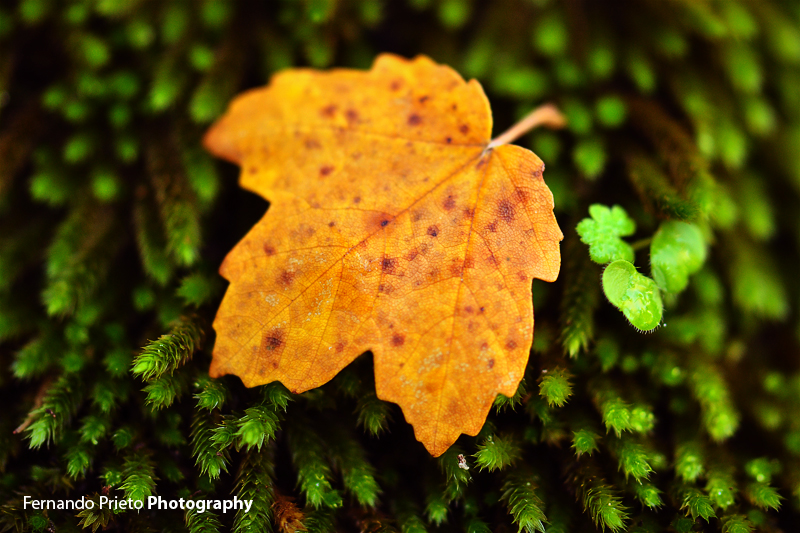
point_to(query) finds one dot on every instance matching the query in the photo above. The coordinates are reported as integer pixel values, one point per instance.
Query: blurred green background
(113, 221)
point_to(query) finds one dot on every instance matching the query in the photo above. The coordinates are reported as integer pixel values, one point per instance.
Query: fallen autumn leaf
(394, 226)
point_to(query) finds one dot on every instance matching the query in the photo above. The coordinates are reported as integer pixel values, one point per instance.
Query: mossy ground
(113, 222)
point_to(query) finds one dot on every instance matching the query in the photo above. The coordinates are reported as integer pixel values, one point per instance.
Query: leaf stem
(544, 115)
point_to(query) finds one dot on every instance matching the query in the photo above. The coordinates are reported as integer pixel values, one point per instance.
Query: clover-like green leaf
(636, 295)
(602, 233)
(677, 251)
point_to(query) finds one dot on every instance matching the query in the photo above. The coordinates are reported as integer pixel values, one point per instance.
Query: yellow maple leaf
(394, 227)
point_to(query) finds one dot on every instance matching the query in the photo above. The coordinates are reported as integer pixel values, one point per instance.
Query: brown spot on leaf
(433, 231)
(388, 265)
(286, 278)
(412, 254)
(269, 249)
(449, 202)
(484, 346)
(328, 111)
(312, 144)
(396, 84)
(469, 262)
(453, 410)
(272, 340)
(414, 119)
(469, 213)
(351, 115)
(423, 99)
(492, 227)
(490, 364)
(253, 170)
(521, 195)
(464, 129)
(537, 173)
(331, 224)
(482, 309)
(522, 276)
(511, 344)
(448, 140)
(506, 211)
(469, 310)
(324, 171)
(456, 269)
(398, 340)
(339, 347)
(357, 200)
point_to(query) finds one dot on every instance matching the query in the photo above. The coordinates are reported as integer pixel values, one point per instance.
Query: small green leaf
(648, 494)
(79, 458)
(633, 460)
(635, 295)
(211, 394)
(602, 233)
(682, 524)
(584, 441)
(697, 504)
(737, 524)
(436, 508)
(523, 502)
(762, 469)
(689, 461)
(616, 415)
(590, 157)
(764, 496)
(642, 419)
(579, 117)
(256, 426)
(721, 487)
(551, 37)
(497, 453)
(677, 250)
(610, 111)
(555, 387)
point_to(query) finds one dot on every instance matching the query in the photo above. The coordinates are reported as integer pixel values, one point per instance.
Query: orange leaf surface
(392, 228)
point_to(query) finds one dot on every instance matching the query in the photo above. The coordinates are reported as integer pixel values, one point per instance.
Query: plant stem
(544, 115)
